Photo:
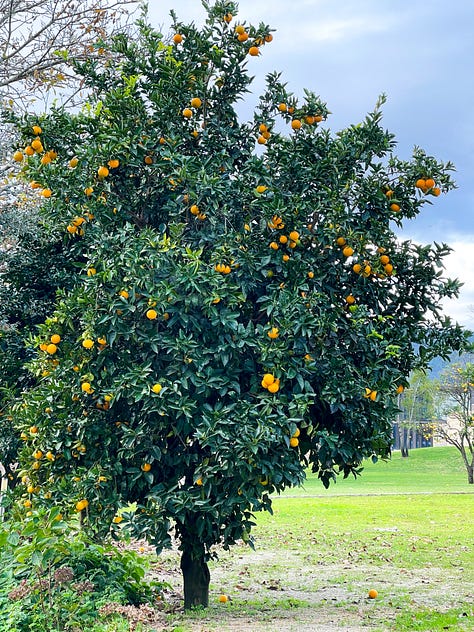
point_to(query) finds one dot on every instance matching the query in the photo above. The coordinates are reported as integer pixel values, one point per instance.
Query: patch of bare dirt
(281, 590)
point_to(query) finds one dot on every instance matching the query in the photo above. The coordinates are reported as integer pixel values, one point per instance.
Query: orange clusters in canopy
(271, 383)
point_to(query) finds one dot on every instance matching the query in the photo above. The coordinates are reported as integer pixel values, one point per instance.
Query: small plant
(56, 579)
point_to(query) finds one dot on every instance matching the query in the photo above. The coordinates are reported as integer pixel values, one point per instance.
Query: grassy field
(404, 528)
(428, 470)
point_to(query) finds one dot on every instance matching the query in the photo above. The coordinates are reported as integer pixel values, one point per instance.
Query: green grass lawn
(405, 528)
(431, 470)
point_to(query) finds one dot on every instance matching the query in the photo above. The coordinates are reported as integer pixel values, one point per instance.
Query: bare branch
(37, 36)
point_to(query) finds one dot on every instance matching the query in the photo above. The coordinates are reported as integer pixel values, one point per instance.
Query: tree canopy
(234, 304)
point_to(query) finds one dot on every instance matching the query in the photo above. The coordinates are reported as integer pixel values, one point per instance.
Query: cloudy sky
(418, 53)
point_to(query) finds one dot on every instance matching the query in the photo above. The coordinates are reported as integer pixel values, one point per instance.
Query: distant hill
(438, 365)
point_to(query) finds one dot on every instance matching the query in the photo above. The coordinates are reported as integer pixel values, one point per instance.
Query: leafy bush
(53, 578)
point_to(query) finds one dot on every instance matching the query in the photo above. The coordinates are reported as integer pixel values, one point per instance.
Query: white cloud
(460, 264)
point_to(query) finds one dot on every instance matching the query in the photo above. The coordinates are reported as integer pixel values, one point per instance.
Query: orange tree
(241, 308)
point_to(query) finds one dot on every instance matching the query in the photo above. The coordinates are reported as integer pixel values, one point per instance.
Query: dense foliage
(239, 306)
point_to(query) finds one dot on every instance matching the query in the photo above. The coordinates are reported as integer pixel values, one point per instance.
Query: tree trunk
(196, 578)
(470, 474)
(403, 434)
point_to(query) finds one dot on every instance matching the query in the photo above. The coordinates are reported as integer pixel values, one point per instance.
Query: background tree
(456, 385)
(36, 38)
(239, 307)
(419, 405)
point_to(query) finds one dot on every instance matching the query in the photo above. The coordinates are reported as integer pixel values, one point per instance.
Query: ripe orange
(199, 482)
(55, 339)
(389, 193)
(262, 128)
(29, 151)
(296, 124)
(309, 119)
(394, 207)
(33, 429)
(384, 259)
(89, 191)
(187, 113)
(223, 598)
(18, 156)
(357, 268)
(420, 183)
(148, 160)
(286, 258)
(177, 38)
(36, 130)
(269, 38)
(87, 343)
(73, 162)
(388, 268)
(51, 349)
(90, 271)
(156, 388)
(82, 504)
(268, 379)
(194, 210)
(400, 389)
(340, 241)
(102, 172)
(436, 191)
(37, 145)
(261, 140)
(429, 182)
(151, 314)
(348, 251)
(282, 107)
(243, 37)
(117, 519)
(294, 442)
(113, 163)
(254, 51)
(124, 294)
(370, 394)
(261, 188)
(274, 245)
(310, 274)
(146, 467)
(373, 594)
(196, 102)
(350, 300)
(273, 333)
(274, 386)
(228, 17)
(239, 29)
(46, 193)
(294, 235)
